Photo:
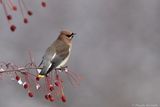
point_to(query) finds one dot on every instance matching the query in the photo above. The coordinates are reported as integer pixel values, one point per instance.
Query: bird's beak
(73, 34)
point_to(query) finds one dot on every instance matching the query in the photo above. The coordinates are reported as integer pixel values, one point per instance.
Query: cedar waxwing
(57, 54)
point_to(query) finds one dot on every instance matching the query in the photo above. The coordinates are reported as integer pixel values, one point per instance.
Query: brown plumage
(58, 53)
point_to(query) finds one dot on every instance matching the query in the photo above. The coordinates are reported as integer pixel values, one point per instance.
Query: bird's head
(66, 36)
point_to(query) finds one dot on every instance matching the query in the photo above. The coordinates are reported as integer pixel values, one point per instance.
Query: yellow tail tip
(41, 76)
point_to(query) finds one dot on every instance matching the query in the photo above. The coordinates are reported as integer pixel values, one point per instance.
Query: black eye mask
(69, 36)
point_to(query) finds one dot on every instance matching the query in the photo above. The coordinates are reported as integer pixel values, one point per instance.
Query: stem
(19, 69)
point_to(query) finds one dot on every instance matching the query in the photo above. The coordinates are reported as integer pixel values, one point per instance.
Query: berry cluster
(12, 6)
(51, 85)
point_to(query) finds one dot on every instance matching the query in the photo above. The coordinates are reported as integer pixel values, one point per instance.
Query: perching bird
(57, 54)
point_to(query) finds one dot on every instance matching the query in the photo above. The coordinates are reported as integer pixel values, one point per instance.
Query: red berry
(25, 20)
(30, 13)
(14, 8)
(51, 99)
(57, 83)
(30, 94)
(17, 78)
(12, 28)
(25, 86)
(51, 88)
(63, 98)
(37, 78)
(9, 17)
(43, 4)
(46, 97)
(49, 95)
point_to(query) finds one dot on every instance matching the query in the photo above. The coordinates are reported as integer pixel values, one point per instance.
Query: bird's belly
(63, 62)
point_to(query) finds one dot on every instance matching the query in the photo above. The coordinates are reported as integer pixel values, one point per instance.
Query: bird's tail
(40, 73)
(40, 76)
(40, 70)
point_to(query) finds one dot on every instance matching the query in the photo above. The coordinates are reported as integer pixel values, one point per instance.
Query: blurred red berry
(25, 20)
(46, 97)
(17, 78)
(25, 85)
(12, 28)
(43, 4)
(29, 13)
(37, 78)
(57, 83)
(51, 88)
(49, 95)
(51, 99)
(30, 94)
(63, 98)
(14, 8)
(9, 17)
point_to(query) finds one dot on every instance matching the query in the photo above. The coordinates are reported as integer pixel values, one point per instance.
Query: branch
(54, 89)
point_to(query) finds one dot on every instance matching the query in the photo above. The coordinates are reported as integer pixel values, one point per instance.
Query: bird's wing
(49, 55)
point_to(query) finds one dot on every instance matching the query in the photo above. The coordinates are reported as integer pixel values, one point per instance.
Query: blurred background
(117, 51)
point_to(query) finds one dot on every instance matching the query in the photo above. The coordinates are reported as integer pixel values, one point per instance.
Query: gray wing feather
(46, 60)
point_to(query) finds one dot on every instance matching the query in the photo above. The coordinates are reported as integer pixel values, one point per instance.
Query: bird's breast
(63, 62)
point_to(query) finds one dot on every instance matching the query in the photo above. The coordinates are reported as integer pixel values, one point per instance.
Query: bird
(57, 54)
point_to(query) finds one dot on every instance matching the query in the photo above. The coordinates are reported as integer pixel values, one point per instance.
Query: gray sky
(116, 51)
